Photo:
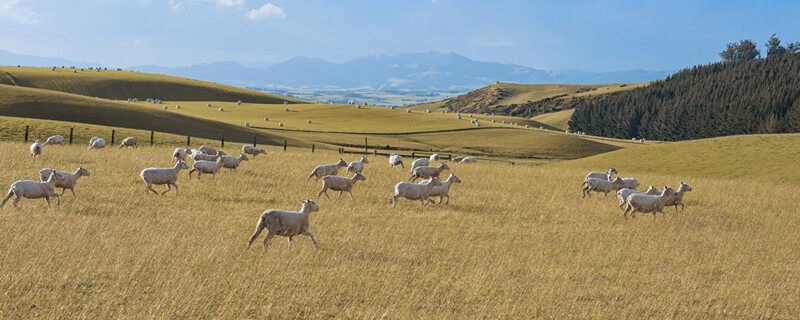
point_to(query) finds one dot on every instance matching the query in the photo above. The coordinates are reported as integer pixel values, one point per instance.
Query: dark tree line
(738, 96)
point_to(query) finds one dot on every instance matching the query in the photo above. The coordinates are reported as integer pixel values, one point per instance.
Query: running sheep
(180, 154)
(469, 160)
(97, 143)
(677, 199)
(327, 170)
(252, 150)
(207, 167)
(602, 175)
(285, 223)
(208, 150)
(56, 139)
(340, 184)
(36, 149)
(357, 166)
(33, 190)
(443, 190)
(129, 142)
(233, 163)
(395, 159)
(64, 180)
(415, 191)
(426, 172)
(648, 203)
(421, 162)
(157, 176)
(622, 194)
(600, 185)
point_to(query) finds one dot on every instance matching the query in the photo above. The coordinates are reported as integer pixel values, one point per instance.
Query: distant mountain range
(417, 71)
(15, 59)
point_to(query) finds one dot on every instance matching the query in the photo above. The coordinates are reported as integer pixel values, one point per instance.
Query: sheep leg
(605, 194)
(260, 227)
(176, 188)
(190, 173)
(48, 201)
(306, 232)
(70, 189)
(16, 200)
(676, 207)
(340, 194)
(402, 165)
(269, 237)
(58, 199)
(323, 191)
(448, 199)
(625, 214)
(351, 195)
(149, 187)
(169, 187)
(394, 201)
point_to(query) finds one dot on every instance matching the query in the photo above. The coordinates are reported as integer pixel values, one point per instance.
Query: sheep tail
(262, 224)
(10, 193)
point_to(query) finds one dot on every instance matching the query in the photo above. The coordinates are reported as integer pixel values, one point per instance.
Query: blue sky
(589, 35)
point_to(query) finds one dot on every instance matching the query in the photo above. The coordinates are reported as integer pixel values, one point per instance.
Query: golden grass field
(557, 119)
(514, 242)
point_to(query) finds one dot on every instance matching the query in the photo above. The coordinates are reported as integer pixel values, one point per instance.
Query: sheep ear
(302, 201)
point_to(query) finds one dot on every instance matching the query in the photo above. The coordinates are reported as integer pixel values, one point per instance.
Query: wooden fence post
(365, 146)
(151, 137)
(188, 140)
(284, 145)
(223, 141)
(254, 142)
(70, 135)
(312, 148)
(112, 136)
(26, 133)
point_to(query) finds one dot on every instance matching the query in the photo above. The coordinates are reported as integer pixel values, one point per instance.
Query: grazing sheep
(648, 203)
(602, 175)
(233, 163)
(33, 190)
(630, 183)
(622, 194)
(457, 159)
(340, 184)
(180, 154)
(168, 176)
(129, 142)
(56, 139)
(395, 159)
(207, 167)
(421, 162)
(469, 160)
(64, 180)
(600, 185)
(98, 143)
(443, 190)
(252, 150)
(285, 223)
(208, 150)
(357, 166)
(425, 172)
(327, 170)
(415, 191)
(434, 157)
(36, 149)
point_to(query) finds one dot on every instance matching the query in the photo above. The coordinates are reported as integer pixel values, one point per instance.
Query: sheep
(168, 176)
(415, 191)
(285, 223)
(340, 184)
(630, 183)
(129, 142)
(443, 190)
(199, 156)
(434, 157)
(67, 180)
(36, 149)
(395, 159)
(33, 190)
(428, 172)
(421, 162)
(622, 194)
(602, 175)
(98, 143)
(208, 150)
(457, 159)
(600, 185)
(233, 163)
(648, 203)
(207, 167)
(469, 160)
(56, 139)
(357, 166)
(252, 150)
(327, 170)
(677, 199)
(180, 154)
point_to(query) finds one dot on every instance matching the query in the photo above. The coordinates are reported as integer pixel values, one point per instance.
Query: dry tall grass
(515, 242)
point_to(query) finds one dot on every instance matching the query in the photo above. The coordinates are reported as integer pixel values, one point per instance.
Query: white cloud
(226, 3)
(268, 10)
(491, 42)
(178, 5)
(12, 10)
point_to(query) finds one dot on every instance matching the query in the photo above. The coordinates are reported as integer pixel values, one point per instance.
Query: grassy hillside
(514, 242)
(769, 158)
(556, 119)
(52, 105)
(121, 85)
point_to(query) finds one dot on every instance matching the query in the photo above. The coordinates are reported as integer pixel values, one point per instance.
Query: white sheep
(56, 139)
(357, 166)
(415, 191)
(648, 203)
(469, 160)
(677, 199)
(129, 142)
(340, 184)
(425, 172)
(421, 162)
(36, 149)
(600, 185)
(180, 154)
(443, 190)
(602, 175)
(33, 190)
(285, 223)
(64, 180)
(207, 167)
(630, 183)
(252, 150)
(395, 159)
(98, 143)
(199, 156)
(168, 176)
(208, 150)
(457, 159)
(434, 157)
(622, 194)
(327, 170)
(233, 163)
